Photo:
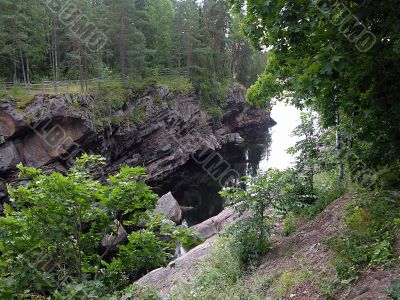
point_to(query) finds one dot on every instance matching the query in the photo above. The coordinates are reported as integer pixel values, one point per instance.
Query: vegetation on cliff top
(139, 41)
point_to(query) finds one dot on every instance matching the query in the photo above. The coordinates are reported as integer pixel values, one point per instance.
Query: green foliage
(137, 115)
(326, 191)
(260, 91)
(317, 64)
(394, 289)
(288, 281)
(51, 234)
(186, 45)
(306, 149)
(216, 112)
(261, 194)
(111, 95)
(136, 292)
(371, 227)
(177, 84)
(290, 225)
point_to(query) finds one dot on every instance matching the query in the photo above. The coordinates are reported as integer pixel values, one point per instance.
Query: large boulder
(186, 266)
(168, 206)
(216, 224)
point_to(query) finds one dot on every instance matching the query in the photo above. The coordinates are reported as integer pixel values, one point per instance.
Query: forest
(326, 227)
(135, 40)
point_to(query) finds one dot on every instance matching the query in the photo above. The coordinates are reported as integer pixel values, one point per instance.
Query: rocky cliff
(51, 131)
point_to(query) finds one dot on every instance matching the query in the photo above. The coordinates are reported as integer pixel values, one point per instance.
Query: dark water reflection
(198, 193)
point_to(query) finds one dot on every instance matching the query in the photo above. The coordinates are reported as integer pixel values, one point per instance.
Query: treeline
(81, 39)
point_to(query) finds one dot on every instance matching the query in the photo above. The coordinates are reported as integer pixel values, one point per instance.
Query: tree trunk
(23, 68)
(351, 138)
(54, 54)
(339, 149)
(80, 67)
(15, 70)
(122, 46)
(85, 68)
(27, 73)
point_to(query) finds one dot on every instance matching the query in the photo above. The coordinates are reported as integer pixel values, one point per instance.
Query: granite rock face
(186, 266)
(51, 131)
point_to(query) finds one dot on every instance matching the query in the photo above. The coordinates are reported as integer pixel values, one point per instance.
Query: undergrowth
(222, 276)
(371, 226)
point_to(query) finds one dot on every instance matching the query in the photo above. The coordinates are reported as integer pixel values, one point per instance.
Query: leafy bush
(259, 195)
(246, 234)
(325, 195)
(216, 112)
(51, 235)
(394, 289)
(290, 225)
(136, 292)
(137, 115)
(177, 84)
(371, 226)
(109, 95)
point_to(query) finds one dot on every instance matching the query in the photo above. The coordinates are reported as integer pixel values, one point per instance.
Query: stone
(51, 132)
(169, 207)
(216, 224)
(234, 138)
(187, 265)
(111, 241)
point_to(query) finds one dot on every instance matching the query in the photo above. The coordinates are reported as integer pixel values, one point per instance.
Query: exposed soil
(305, 253)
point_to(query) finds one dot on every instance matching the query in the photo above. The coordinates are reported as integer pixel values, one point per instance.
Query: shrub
(51, 234)
(394, 289)
(215, 112)
(371, 226)
(137, 115)
(177, 84)
(259, 195)
(290, 225)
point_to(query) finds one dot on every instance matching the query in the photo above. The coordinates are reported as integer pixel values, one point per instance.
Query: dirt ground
(304, 255)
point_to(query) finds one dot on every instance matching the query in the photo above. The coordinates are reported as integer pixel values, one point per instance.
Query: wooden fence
(67, 86)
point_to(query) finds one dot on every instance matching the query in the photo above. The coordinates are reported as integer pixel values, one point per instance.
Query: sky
(287, 117)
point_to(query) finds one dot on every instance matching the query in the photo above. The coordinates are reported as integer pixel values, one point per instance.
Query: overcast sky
(287, 117)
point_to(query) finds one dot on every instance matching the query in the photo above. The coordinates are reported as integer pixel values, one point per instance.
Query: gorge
(52, 130)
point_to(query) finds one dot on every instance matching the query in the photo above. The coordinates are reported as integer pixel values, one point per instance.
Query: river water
(198, 192)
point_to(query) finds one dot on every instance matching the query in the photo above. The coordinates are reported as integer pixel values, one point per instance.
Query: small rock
(111, 240)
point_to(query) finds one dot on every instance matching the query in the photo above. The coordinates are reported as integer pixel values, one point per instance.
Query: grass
(24, 97)
(221, 276)
(174, 83)
(371, 226)
(327, 191)
(177, 84)
(288, 281)
(137, 115)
